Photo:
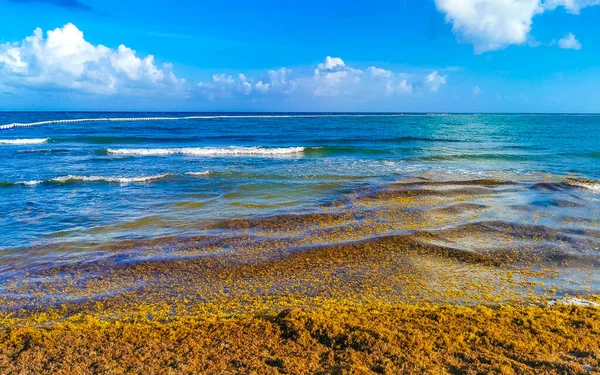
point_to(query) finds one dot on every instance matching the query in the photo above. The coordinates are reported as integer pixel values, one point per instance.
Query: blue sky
(411, 55)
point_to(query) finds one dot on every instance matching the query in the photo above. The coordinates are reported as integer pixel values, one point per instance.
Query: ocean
(67, 189)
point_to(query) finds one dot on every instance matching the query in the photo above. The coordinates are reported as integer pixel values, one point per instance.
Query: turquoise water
(91, 182)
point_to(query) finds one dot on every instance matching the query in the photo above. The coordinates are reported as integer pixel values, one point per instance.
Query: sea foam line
(198, 174)
(114, 119)
(68, 179)
(121, 180)
(26, 141)
(76, 178)
(569, 301)
(591, 186)
(208, 151)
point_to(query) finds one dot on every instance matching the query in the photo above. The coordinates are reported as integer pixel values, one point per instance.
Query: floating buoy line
(130, 119)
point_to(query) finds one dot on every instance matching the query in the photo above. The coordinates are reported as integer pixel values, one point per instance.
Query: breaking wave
(588, 185)
(208, 151)
(26, 141)
(69, 179)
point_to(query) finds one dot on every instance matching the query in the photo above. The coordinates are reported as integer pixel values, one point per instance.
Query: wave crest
(198, 174)
(209, 151)
(27, 141)
(120, 180)
(69, 179)
(592, 186)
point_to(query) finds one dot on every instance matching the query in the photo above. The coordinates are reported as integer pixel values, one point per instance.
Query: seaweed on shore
(373, 339)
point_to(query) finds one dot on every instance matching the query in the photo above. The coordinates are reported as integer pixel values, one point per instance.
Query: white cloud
(398, 88)
(10, 58)
(434, 81)
(572, 6)
(404, 88)
(223, 86)
(262, 87)
(569, 41)
(378, 72)
(329, 79)
(279, 77)
(331, 63)
(495, 24)
(334, 78)
(223, 79)
(490, 24)
(476, 90)
(65, 60)
(331, 83)
(246, 86)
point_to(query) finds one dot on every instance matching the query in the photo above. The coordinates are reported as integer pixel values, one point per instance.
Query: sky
(274, 55)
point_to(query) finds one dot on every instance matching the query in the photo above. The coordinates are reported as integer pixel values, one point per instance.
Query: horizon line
(308, 112)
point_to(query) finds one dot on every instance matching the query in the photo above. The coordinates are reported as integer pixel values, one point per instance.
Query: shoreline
(412, 277)
(410, 241)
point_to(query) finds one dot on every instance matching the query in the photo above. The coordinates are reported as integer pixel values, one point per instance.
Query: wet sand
(417, 276)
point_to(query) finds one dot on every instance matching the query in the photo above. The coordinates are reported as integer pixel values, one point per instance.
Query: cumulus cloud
(331, 63)
(400, 88)
(490, 24)
(331, 78)
(495, 24)
(434, 81)
(569, 41)
(572, 6)
(262, 87)
(378, 72)
(280, 80)
(64, 60)
(223, 86)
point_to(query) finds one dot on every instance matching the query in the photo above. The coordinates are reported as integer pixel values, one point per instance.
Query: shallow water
(68, 188)
(88, 181)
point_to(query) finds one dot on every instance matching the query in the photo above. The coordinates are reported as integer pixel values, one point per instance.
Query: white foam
(28, 141)
(591, 186)
(198, 174)
(31, 183)
(208, 151)
(120, 180)
(106, 179)
(573, 302)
